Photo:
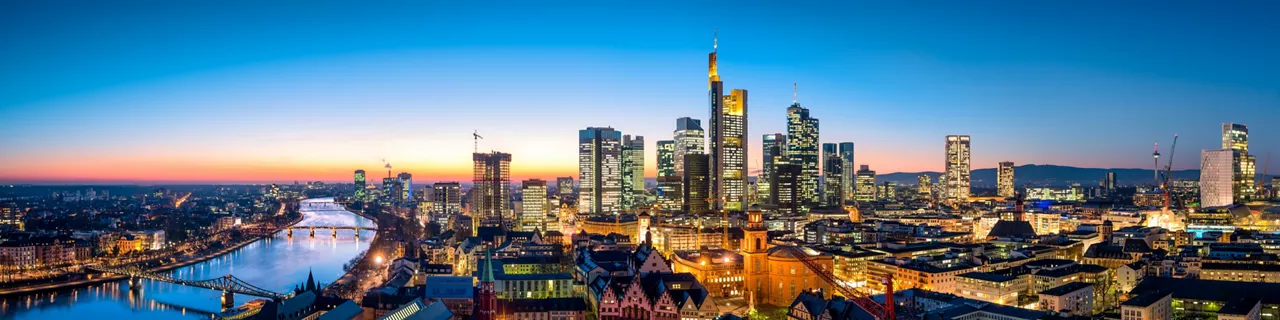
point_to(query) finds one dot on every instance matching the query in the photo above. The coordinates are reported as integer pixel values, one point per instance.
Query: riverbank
(86, 282)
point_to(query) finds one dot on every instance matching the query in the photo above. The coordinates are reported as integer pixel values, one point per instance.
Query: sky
(258, 91)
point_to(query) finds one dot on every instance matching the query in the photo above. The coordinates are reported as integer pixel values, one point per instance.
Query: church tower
(487, 296)
(755, 252)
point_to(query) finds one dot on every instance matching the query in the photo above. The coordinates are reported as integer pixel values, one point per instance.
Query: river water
(278, 263)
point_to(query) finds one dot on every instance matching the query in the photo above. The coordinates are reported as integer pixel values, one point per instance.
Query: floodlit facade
(774, 153)
(405, 181)
(832, 175)
(491, 191)
(666, 158)
(1004, 180)
(1235, 137)
(924, 185)
(599, 170)
(848, 178)
(534, 204)
(632, 171)
(689, 139)
(729, 152)
(564, 186)
(866, 184)
(360, 184)
(802, 150)
(446, 201)
(1217, 169)
(955, 181)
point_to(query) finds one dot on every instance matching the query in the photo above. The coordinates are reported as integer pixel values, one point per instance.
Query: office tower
(802, 150)
(360, 185)
(847, 175)
(10, 216)
(599, 170)
(832, 175)
(632, 171)
(690, 139)
(491, 190)
(565, 187)
(1217, 171)
(887, 191)
(1110, 182)
(389, 189)
(956, 178)
(533, 204)
(406, 186)
(1004, 179)
(786, 190)
(1235, 137)
(774, 153)
(866, 184)
(446, 201)
(697, 183)
(924, 185)
(728, 141)
(666, 158)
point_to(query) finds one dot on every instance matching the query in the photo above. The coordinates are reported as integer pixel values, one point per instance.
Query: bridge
(334, 229)
(228, 284)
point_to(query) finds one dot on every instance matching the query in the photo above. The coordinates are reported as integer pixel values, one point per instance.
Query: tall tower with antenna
(1155, 170)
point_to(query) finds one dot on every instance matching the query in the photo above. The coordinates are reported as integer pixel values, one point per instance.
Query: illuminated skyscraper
(697, 183)
(866, 184)
(565, 187)
(1217, 170)
(832, 175)
(491, 191)
(632, 171)
(774, 153)
(690, 139)
(533, 206)
(728, 141)
(955, 181)
(1110, 182)
(1004, 179)
(360, 185)
(786, 190)
(924, 186)
(599, 170)
(802, 150)
(405, 181)
(848, 180)
(666, 158)
(446, 201)
(1235, 137)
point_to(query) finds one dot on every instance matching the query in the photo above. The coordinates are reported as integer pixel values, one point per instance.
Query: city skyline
(167, 111)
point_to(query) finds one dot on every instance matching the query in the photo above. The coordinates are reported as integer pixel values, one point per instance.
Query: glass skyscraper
(774, 153)
(832, 175)
(955, 181)
(599, 170)
(802, 150)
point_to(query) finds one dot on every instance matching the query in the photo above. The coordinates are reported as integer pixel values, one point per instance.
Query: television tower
(1156, 169)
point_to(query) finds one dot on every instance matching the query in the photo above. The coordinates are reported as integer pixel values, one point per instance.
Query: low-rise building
(1075, 298)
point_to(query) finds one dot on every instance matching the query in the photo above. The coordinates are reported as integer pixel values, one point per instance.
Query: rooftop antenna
(794, 95)
(715, 39)
(476, 136)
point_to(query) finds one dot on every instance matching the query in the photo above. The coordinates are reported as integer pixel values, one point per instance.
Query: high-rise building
(1110, 182)
(802, 150)
(406, 186)
(848, 178)
(1004, 179)
(599, 170)
(728, 141)
(533, 204)
(786, 191)
(866, 184)
(1217, 170)
(690, 139)
(446, 201)
(924, 186)
(697, 183)
(10, 216)
(360, 185)
(389, 189)
(955, 181)
(666, 158)
(565, 187)
(1235, 137)
(832, 175)
(632, 171)
(491, 186)
(774, 153)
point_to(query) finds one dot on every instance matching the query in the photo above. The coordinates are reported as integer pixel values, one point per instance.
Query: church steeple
(488, 297)
(311, 281)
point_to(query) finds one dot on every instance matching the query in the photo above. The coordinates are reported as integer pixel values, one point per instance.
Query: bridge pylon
(313, 232)
(228, 299)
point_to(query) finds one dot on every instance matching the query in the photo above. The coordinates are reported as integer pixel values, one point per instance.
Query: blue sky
(245, 91)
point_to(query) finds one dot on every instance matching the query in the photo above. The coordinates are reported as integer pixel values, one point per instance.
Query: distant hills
(1051, 175)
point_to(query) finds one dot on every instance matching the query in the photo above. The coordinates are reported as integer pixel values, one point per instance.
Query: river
(278, 263)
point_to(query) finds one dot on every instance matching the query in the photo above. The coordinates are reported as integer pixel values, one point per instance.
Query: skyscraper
(955, 181)
(405, 181)
(1235, 137)
(1110, 182)
(786, 190)
(866, 184)
(1217, 171)
(360, 185)
(697, 183)
(632, 171)
(774, 153)
(802, 150)
(666, 158)
(924, 186)
(729, 151)
(670, 196)
(599, 170)
(848, 178)
(689, 140)
(832, 175)
(1004, 180)
(565, 187)
(491, 189)
(533, 204)
(446, 201)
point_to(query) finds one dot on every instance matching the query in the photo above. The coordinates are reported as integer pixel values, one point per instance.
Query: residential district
(813, 235)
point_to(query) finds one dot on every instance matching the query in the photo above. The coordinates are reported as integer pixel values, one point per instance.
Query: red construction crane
(1168, 171)
(880, 311)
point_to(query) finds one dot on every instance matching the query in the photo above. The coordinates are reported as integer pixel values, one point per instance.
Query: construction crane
(879, 311)
(1168, 172)
(475, 135)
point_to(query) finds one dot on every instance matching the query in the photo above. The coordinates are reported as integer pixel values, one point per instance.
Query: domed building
(776, 274)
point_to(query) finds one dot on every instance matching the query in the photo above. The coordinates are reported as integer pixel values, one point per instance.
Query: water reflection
(278, 263)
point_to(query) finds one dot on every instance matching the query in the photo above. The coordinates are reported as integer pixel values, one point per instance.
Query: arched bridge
(227, 284)
(333, 229)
